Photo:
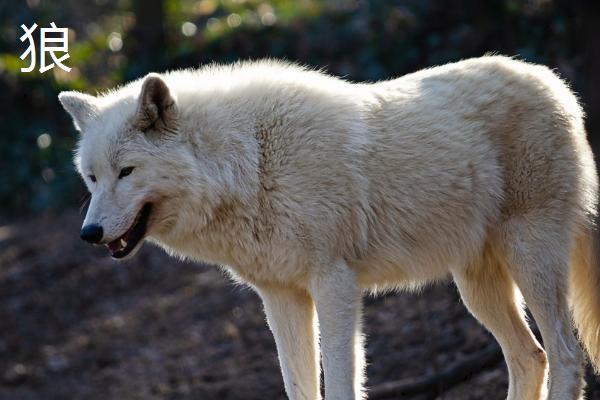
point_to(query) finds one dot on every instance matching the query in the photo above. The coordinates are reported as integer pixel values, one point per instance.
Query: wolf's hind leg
(291, 317)
(537, 252)
(491, 296)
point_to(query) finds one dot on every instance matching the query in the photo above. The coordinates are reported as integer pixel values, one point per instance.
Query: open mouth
(124, 244)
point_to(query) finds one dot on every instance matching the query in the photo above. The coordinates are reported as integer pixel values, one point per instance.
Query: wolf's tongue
(114, 245)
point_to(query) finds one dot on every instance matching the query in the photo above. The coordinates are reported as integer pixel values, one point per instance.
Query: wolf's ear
(157, 107)
(81, 106)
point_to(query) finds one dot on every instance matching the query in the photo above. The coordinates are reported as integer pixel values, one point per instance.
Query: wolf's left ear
(157, 107)
(81, 106)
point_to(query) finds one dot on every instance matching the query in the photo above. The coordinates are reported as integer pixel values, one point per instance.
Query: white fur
(312, 190)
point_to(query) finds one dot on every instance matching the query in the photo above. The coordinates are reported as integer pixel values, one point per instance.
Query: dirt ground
(76, 325)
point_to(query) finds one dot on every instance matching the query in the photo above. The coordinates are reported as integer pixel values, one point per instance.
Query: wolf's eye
(125, 171)
(92, 178)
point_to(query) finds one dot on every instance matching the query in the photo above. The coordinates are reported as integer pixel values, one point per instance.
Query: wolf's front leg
(291, 316)
(338, 302)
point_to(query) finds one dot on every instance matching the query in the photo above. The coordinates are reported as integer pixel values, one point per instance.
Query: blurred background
(74, 324)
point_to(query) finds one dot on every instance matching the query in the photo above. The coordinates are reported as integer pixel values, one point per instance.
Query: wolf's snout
(91, 233)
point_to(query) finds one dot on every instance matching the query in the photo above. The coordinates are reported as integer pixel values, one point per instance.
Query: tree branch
(450, 376)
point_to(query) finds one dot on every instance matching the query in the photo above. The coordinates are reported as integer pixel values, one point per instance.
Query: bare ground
(76, 325)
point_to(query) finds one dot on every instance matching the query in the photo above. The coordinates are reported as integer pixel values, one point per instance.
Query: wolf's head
(130, 156)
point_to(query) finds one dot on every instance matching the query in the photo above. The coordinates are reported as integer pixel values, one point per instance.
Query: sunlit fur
(313, 190)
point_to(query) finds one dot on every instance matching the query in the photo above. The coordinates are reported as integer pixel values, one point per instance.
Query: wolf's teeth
(123, 243)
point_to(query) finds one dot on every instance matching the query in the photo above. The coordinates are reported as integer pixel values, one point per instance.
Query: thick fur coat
(313, 190)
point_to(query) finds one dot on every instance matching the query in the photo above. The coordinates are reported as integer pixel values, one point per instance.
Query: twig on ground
(450, 376)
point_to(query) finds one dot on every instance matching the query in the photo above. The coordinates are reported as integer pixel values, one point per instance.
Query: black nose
(91, 233)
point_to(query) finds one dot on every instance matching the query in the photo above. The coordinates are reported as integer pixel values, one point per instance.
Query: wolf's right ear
(157, 107)
(81, 106)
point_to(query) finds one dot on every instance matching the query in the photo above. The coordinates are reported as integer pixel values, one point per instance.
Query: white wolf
(313, 190)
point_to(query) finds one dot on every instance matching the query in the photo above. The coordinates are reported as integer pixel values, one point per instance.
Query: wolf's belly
(396, 268)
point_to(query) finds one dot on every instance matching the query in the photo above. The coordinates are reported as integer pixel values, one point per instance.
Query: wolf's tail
(585, 291)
